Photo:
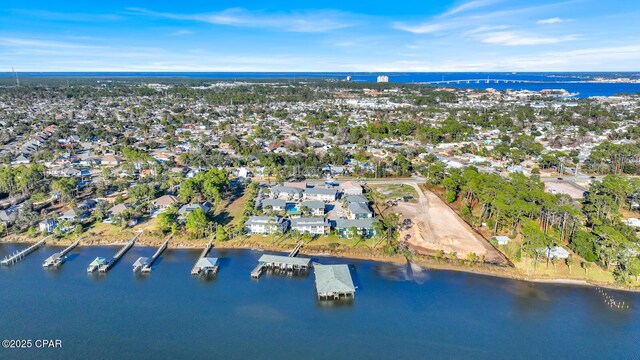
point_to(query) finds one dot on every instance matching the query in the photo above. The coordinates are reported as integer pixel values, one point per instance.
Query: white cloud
(303, 21)
(427, 28)
(516, 38)
(470, 5)
(554, 20)
(181, 32)
(38, 43)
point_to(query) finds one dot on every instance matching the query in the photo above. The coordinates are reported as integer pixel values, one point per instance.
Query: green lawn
(395, 191)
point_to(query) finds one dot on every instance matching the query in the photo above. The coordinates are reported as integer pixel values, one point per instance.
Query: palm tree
(554, 262)
(569, 261)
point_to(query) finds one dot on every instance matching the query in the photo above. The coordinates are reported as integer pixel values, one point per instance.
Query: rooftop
(280, 259)
(332, 279)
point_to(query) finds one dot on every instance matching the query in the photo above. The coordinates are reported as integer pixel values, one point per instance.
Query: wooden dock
(147, 268)
(59, 258)
(281, 262)
(197, 270)
(296, 249)
(18, 256)
(109, 264)
(257, 271)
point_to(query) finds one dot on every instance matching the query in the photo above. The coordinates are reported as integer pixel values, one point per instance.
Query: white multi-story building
(265, 225)
(314, 225)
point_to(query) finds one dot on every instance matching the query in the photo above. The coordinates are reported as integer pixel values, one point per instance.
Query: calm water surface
(561, 80)
(397, 314)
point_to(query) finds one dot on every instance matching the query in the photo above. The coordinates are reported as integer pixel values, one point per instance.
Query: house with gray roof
(274, 204)
(363, 227)
(313, 207)
(357, 199)
(357, 210)
(8, 217)
(265, 225)
(286, 192)
(185, 210)
(320, 194)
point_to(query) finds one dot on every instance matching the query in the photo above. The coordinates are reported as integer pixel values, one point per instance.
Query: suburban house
(320, 194)
(274, 204)
(110, 160)
(47, 225)
(502, 240)
(286, 192)
(357, 210)
(351, 188)
(185, 210)
(357, 198)
(74, 214)
(89, 204)
(265, 225)
(243, 172)
(311, 225)
(557, 252)
(8, 217)
(164, 202)
(118, 210)
(313, 207)
(364, 227)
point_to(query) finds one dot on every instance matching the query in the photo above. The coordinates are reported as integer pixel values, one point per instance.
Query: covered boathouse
(205, 266)
(333, 282)
(285, 262)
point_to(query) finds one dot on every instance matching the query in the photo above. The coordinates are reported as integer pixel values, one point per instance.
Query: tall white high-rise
(383, 78)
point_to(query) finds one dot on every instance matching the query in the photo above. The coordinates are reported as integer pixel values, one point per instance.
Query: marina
(461, 315)
(105, 266)
(59, 258)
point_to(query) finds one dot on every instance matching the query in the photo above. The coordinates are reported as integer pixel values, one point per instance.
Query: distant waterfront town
(536, 185)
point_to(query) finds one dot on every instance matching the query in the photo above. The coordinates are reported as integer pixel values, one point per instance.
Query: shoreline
(424, 261)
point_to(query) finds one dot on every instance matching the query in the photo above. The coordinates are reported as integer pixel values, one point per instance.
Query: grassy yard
(395, 191)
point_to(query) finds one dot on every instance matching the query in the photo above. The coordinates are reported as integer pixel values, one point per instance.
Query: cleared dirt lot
(437, 227)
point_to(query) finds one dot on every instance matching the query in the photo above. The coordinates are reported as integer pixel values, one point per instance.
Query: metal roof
(207, 262)
(332, 279)
(279, 259)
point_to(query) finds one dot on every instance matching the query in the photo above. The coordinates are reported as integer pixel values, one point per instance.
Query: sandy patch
(437, 227)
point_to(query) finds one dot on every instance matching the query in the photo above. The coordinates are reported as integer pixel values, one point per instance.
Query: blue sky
(398, 35)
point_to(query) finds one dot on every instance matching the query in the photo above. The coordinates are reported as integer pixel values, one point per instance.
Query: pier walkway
(285, 263)
(296, 250)
(59, 258)
(18, 256)
(205, 265)
(147, 267)
(109, 264)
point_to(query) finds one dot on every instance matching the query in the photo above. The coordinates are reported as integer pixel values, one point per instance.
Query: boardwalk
(109, 264)
(296, 250)
(10, 260)
(286, 263)
(205, 265)
(59, 258)
(147, 267)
